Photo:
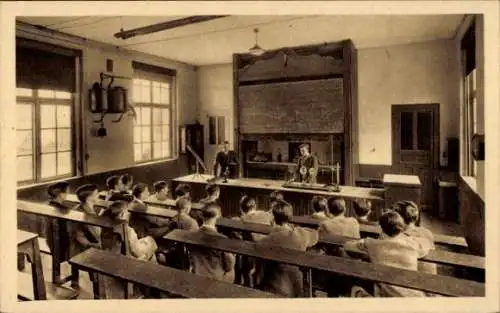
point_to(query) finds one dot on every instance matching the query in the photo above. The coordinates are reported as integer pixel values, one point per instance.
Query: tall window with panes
(44, 112)
(152, 96)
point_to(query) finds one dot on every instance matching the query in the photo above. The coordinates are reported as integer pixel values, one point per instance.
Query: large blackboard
(312, 106)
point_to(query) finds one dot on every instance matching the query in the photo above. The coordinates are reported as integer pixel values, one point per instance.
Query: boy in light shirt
(161, 193)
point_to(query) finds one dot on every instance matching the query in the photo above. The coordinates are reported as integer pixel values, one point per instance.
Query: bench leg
(37, 272)
(56, 254)
(97, 286)
(75, 277)
(308, 288)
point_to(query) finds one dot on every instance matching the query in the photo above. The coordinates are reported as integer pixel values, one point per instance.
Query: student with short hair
(176, 255)
(393, 248)
(283, 279)
(115, 189)
(161, 193)
(182, 190)
(320, 207)
(57, 196)
(145, 225)
(338, 224)
(208, 262)
(127, 183)
(273, 197)
(410, 213)
(364, 213)
(86, 236)
(213, 193)
(114, 240)
(250, 214)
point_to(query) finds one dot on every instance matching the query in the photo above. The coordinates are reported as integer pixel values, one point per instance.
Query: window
(44, 135)
(416, 130)
(469, 108)
(216, 130)
(152, 128)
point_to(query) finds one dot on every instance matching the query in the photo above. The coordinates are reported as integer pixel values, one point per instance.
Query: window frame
(170, 107)
(36, 102)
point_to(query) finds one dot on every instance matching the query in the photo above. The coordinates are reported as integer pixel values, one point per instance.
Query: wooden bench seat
(442, 285)
(169, 280)
(53, 291)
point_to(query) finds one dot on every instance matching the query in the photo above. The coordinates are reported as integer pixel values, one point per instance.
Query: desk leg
(37, 272)
(56, 254)
(308, 289)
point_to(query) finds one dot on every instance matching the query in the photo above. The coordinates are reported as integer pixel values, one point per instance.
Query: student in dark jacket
(57, 194)
(86, 236)
(209, 262)
(283, 279)
(143, 224)
(127, 182)
(182, 190)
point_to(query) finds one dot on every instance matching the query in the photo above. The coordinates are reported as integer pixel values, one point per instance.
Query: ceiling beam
(125, 34)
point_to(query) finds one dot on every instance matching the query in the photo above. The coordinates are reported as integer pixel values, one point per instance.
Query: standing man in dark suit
(226, 161)
(307, 166)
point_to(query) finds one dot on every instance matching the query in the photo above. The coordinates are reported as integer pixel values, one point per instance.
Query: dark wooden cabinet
(194, 138)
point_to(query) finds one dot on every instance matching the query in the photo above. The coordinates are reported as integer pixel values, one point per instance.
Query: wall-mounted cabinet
(307, 91)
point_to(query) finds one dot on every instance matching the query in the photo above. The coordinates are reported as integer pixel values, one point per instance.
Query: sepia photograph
(241, 156)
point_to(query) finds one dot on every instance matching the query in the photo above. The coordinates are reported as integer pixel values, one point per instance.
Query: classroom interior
(392, 106)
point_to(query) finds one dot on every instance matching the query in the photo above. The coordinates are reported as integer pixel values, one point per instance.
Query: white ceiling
(215, 41)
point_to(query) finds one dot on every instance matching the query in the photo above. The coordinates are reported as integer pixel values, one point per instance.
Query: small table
(27, 243)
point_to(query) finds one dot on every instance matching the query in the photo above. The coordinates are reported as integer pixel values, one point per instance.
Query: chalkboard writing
(313, 106)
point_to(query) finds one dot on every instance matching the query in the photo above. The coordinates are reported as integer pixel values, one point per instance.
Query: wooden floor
(438, 226)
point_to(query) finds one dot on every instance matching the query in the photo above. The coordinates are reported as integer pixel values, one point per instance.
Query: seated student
(86, 236)
(320, 208)
(145, 225)
(273, 197)
(57, 195)
(115, 190)
(208, 262)
(338, 224)
(393, 248)
(249, 213)
(364, 214)
(161, 192)
(410, 214)
(113, 240)
(213, 192)
(176, 256)
(283, 279)
(127, 183)
(182, 190)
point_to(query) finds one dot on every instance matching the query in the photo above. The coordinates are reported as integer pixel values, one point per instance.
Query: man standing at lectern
(307, 166)
(226, 160)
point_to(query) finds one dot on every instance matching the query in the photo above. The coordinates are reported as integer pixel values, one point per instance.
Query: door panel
(415, 142)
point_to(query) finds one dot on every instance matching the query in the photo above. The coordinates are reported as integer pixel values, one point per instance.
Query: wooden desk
(443, 285)
(27, 243)
(234, 189)
(166, 279)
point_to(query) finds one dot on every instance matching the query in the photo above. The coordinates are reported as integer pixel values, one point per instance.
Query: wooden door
(415, 145)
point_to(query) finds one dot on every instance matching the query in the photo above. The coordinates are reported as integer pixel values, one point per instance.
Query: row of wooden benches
(332, 264)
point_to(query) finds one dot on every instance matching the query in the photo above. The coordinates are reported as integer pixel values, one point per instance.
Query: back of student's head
(57, 189)
(115, 209)
(247, 203)
(138, 189)
(212, 189)
(392, 223)
(211, 211)
(319, 204)
(336, 206)
(183, 204)
(112, 182)
(276, 195)
(282, 212)
(160, 185)
(408, 211)
(127, 179)
(182, 190)
(84, 191)
(362, 207)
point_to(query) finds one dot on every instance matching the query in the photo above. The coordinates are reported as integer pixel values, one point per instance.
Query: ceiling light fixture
(256, 49)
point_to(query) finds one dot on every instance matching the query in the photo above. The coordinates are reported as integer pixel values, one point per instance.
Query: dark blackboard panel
(314, 106)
